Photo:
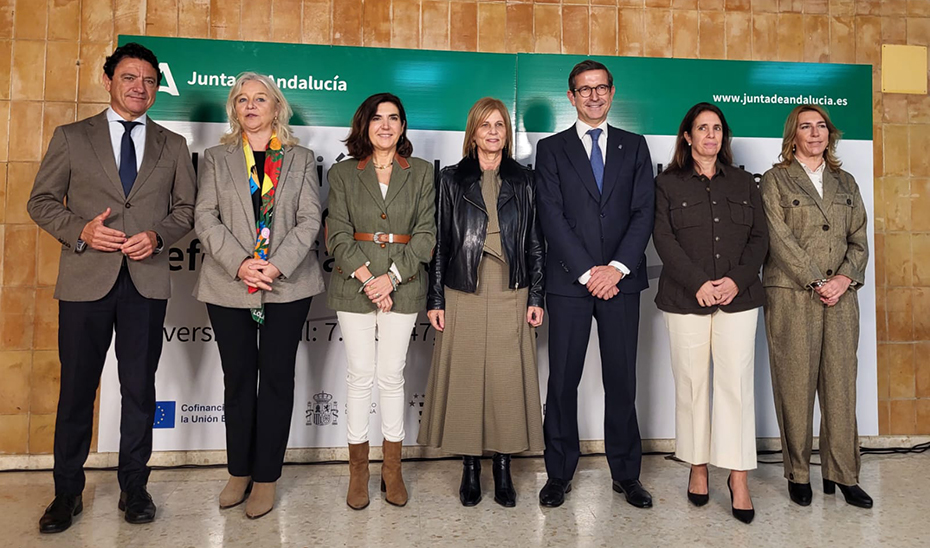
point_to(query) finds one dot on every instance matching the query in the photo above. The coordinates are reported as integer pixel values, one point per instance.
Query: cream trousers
(724, 436)
(365, 357)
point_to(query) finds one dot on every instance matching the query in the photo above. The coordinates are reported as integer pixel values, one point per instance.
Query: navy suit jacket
(584, 227)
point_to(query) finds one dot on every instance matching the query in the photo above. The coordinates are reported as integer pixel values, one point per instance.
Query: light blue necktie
(597, 159)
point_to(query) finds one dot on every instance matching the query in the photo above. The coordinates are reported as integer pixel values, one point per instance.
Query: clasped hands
(258, 273)
(102, 238)
(377, 290)
(603, 281)
(717, 292)
(831, 290)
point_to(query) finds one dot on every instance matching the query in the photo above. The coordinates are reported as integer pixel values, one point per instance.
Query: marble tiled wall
(51, 52)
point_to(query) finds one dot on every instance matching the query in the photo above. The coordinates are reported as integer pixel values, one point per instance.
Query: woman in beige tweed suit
(817, 258)
(485, 298)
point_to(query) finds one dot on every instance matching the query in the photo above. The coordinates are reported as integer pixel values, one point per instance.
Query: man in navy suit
(596, 202)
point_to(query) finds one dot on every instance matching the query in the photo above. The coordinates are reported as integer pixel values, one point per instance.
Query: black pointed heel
(694, 498)
(853, 494)
(746, 516)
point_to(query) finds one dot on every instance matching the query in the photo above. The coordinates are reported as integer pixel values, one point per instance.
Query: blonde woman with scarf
(257, 215)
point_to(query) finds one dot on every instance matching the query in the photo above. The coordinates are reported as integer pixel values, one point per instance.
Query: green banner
(325, 84)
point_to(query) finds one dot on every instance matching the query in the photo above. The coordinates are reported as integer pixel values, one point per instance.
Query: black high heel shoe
(745, 516)
(694, 498)
(854, 494)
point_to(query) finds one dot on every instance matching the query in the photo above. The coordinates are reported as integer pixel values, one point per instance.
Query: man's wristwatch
(80, 246)
(159, 245)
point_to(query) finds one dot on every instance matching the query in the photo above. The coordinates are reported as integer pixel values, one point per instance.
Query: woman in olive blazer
(817, 258)
(258, 214)
(381, 231)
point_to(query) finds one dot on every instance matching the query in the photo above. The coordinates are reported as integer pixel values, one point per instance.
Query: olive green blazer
(356, 205)
(812, 238)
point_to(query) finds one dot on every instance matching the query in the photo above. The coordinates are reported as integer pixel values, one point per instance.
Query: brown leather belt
(382, 237)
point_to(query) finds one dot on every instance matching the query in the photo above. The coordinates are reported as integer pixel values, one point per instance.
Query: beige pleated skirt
(483, 388)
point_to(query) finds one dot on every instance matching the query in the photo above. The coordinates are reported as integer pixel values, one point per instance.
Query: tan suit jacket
(812, 238)
(78, 180)
(225, 223)
(356, 205)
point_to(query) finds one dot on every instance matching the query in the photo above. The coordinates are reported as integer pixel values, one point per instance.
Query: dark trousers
(258, 414)
(569, 330)
(85, 330)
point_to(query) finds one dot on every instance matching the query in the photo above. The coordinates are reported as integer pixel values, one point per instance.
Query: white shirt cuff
(396, 272)
(583, 279)
(352, 275)
(620, 266)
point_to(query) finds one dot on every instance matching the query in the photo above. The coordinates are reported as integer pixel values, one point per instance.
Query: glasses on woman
(585, 91)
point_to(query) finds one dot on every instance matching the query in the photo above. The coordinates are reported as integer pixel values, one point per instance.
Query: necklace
(378, 166)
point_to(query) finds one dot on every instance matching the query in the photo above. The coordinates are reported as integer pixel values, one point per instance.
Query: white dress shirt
(816, 176)
(116, 136)
(583, 129)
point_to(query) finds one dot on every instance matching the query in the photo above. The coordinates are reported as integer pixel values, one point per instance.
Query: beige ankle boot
(357, 497)
(235, 492)
(261, 501)
(392, 481)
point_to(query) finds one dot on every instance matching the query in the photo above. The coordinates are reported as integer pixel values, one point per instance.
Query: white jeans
(725, 438)
(390, 355)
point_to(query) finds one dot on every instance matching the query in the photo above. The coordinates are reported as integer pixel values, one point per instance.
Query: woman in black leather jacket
(485, 298)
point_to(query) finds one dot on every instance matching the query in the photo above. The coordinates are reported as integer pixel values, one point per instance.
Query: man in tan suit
(115, 189)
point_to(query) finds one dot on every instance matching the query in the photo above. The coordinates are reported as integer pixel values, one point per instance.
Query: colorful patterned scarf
(274, 157)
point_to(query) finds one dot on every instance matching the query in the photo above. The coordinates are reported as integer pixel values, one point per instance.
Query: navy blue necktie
(127, 157)
(597, 159)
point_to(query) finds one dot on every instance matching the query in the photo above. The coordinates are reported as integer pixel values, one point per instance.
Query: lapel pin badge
(619, 146)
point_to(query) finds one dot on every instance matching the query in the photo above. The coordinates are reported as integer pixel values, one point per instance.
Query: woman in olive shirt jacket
(711, 235)
(381, 232)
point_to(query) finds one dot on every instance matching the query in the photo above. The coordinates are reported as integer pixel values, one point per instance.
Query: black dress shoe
(504, 493)
(634, 492)
(470, 490)
(553, 493)
(743, 515)
(696, 499)
(800, 493)
(138, 506)
(853, 493)
(58, 515)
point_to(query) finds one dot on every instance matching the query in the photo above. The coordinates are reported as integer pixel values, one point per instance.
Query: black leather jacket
(462, 225)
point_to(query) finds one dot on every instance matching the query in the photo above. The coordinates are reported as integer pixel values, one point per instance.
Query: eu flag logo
(164, 414)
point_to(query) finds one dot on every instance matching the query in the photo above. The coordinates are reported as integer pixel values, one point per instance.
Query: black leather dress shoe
(504, 493)
(634, 492)
(58, 515)
(800, 493)
(138, 506)
(854, 494)
(470, 490)
(553, 493)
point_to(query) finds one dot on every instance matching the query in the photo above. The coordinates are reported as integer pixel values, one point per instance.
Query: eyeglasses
(585, 91)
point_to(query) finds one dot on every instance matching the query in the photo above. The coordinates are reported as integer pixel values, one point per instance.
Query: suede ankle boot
(235, 492)
(357, 498)
(392, 480)
(261, 500)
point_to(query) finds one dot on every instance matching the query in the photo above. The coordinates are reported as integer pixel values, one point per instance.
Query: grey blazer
(813, 238)
(78, 180)
(225, 223)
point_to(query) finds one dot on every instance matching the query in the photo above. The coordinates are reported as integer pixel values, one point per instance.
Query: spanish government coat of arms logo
(322, 410)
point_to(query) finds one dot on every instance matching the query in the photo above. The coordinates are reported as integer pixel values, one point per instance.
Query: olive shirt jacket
(707, 229)
(356, 205)
(813, 237)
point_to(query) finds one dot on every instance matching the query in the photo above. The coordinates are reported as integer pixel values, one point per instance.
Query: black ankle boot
(470, 491)
(504, 493)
